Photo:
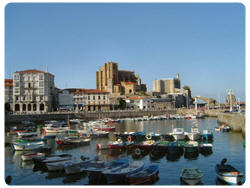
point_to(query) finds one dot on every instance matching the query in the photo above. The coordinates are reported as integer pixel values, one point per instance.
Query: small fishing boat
(228, 173)
(217, 129)
(178, 134)
(114, 175)
(61, 165)
(207, 134)
(73, 141)
(85, 165)
(30, 156)
(147, 174)
(162, 145)
(191, 176)
(119, 144)
(148, 144)
(225, 128)
(175, 147)
(27, 146)
(40, 160)
(206, 148)
(191, 147)
(26, 134)
(194, 134)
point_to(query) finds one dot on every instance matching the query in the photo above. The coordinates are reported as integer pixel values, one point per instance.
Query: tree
(189, 91)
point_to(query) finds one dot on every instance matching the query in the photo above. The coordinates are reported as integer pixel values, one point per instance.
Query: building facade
(33, 91)
(167, 85)
(115, 81)
(8, 94)
(90, 99)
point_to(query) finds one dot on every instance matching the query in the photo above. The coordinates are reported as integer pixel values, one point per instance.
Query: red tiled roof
(8, 82)
(89, 91)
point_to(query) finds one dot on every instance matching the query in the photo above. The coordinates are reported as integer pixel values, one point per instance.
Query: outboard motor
(223, 161)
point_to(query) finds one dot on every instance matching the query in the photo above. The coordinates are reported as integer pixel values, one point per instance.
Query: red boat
(105, 128)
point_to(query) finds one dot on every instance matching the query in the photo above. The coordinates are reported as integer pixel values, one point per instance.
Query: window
(16, 77)
(41, 91)
(93, 97)
(17, 98)
(41, 84)
(104, 97)
(41, 97)
(88, 97)
(16, 84)
(29, 85)
(99, 97)
(16, 90)
(40, 77)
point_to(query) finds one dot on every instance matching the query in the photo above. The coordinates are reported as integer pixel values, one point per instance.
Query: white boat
(228, 173)
(194, 134)
(30, 156)
(27, 146)
(54, 166)
(191, 176)
(55, 129)
(26, 134)
(178, 134)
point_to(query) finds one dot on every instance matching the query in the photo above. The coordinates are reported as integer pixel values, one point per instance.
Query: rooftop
(34, 71)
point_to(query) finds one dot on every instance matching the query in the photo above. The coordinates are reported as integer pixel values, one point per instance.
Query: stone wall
(235, 121)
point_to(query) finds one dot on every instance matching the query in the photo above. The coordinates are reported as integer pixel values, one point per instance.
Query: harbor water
(225, 145)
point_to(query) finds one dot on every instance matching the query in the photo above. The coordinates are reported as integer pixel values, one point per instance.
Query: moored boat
(194, 134)
(228, 173)
(191, 176)
(115, 175)
(207, 134)
(147, 174)
(30, 156)
(178, 134)
(27, 146)
(206, 148)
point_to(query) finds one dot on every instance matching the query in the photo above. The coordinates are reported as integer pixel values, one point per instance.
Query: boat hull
(232, 180)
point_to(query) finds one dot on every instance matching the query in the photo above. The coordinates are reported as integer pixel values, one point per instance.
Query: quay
(235, 120)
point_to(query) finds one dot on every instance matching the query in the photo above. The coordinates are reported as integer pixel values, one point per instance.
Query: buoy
(137, 151)
(130, 138)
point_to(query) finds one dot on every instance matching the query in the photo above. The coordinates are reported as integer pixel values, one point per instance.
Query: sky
(204, 43)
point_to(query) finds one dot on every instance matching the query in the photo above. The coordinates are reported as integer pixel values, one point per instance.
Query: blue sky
(205, 43)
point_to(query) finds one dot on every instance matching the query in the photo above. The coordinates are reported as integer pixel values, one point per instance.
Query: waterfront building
(147, 103)
(33, 91)
(90, 99)
(8, 94)
(118, 82)
(170, 85)
(65, 100)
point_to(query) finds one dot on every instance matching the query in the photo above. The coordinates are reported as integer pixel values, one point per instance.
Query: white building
(90, 99)
(33, 91)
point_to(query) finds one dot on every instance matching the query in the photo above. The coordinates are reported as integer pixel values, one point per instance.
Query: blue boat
(118, 174)
(147, 174)
(95, 172)
(139, 135)
(207, 134)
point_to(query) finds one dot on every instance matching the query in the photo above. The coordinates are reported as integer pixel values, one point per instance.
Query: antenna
(46, 68)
